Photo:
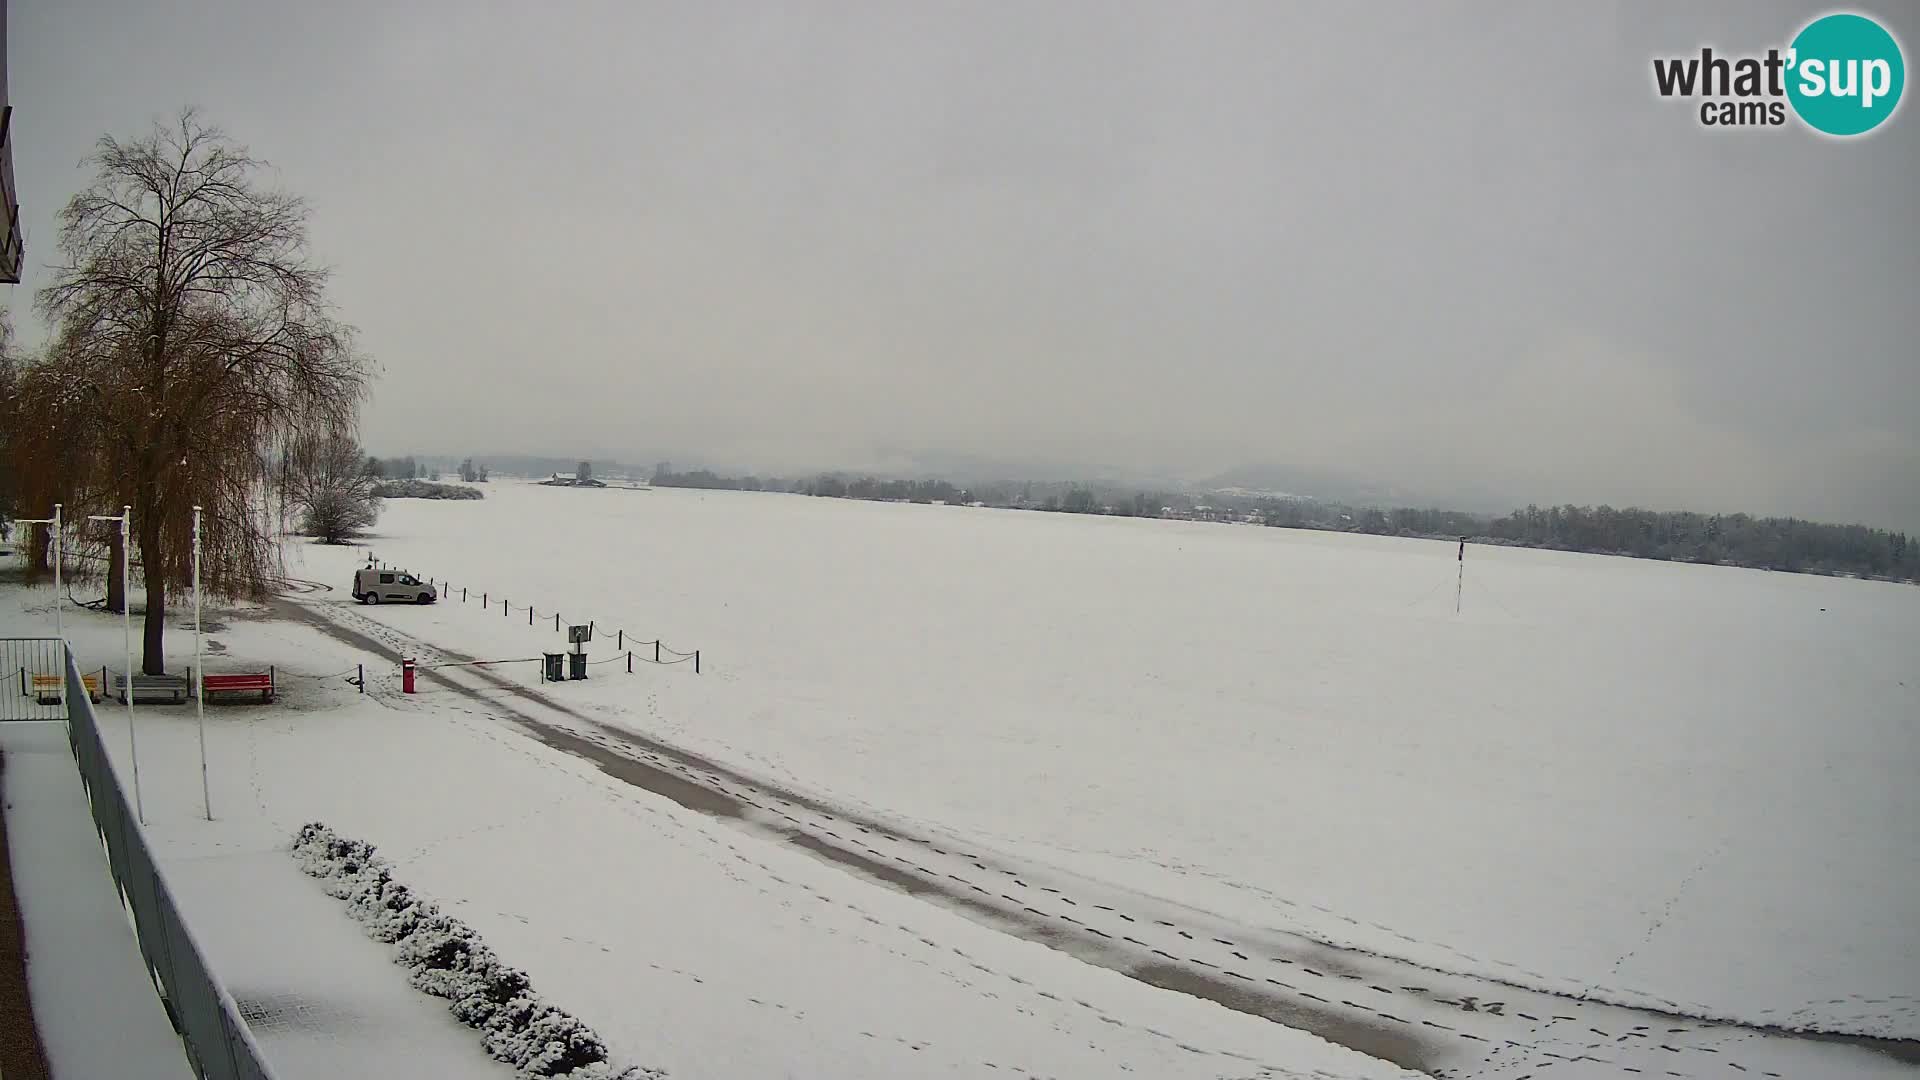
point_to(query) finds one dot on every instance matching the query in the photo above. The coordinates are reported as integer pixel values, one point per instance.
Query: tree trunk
(153, 660)
(116, 556)
(40, 551)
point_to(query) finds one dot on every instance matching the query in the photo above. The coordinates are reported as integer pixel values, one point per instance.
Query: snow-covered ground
(1678, 787)
(688, 943)
(1608, 775)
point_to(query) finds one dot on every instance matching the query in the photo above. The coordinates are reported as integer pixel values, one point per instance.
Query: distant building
(571, 480)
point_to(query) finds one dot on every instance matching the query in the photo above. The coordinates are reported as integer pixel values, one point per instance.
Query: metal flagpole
(59, 615)
(126, 611)
(199, 677)
(59, 609)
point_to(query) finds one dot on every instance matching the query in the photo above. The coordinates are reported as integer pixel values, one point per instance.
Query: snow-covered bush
(445, 958)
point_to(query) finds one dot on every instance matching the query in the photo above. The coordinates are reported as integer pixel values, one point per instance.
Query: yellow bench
(46, 688)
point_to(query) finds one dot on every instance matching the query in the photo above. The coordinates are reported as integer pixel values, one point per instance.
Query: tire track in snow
(1015, 905)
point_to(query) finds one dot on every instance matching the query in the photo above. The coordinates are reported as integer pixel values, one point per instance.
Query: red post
(406, 675)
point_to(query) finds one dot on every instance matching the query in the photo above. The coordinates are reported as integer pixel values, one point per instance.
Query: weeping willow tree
(194, 344)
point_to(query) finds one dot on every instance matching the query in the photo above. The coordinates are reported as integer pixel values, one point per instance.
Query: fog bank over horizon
(1464, 253)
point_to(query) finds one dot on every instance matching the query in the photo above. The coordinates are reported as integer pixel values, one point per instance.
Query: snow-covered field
(1693, 782)
(1683, 787)
(687, 942)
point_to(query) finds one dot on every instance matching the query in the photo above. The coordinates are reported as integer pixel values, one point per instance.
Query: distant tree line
(1787, 544)
(399, 468)
(423, 489)
(1735, 539)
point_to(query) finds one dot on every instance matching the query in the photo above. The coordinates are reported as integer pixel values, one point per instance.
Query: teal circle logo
(1845, 74)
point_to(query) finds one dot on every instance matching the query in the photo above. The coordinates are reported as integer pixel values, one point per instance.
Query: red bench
(261, 681)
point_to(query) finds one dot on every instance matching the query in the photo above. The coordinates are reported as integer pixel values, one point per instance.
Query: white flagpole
(199, 677)
(126, 629)
(59, 608)
(59, 618)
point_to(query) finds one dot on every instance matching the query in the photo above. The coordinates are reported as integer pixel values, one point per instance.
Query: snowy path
(1416, 1016)
(94, 1002)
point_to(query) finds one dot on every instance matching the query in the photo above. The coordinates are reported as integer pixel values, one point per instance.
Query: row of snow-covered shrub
(445, 958)
(425, 489)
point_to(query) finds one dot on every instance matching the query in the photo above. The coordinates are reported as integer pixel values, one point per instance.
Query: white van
(371, 586)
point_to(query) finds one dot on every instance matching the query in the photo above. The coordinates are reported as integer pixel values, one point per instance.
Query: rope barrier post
(529, 614)
(629, 661)
(362, 668)
(620, 639)
(696, 661)
(656, 650)
(556, 621)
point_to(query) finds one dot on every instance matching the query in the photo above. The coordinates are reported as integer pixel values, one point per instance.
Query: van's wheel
(423, 598)
(373, 598)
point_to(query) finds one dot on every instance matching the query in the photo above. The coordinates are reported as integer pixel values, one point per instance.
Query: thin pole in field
(199, 676)
(1460, 577)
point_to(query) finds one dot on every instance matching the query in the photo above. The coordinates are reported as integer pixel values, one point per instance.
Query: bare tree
(325, 480)
(197, 344)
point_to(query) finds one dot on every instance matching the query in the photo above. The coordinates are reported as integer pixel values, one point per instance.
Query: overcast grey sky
(1446, 246)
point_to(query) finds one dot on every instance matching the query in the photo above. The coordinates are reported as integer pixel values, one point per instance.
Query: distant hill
(1349, 487)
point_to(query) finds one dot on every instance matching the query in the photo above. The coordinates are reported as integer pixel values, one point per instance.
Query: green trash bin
(553, 669)
(577, 665)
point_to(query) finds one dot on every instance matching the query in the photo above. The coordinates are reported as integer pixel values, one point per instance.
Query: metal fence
(32, 672)
(218, 1042)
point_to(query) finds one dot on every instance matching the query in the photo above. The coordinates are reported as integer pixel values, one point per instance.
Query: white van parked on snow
(371, 586)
